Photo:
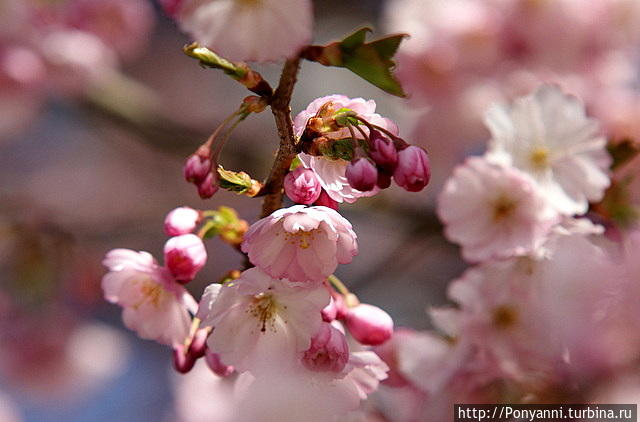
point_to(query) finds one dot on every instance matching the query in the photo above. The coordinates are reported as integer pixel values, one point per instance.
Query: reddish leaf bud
(413, 170)
(362, 174)
(184, 256)
(369, 324)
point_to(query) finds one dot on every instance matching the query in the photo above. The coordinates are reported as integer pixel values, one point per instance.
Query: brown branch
(280, 106)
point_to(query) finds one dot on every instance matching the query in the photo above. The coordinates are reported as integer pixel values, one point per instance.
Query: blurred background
(99, 108)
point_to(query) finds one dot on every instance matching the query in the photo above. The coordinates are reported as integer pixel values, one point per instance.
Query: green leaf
(210, 59)
(372, 61)
(239, 182)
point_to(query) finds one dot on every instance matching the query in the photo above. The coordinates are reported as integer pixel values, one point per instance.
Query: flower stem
(280, 106)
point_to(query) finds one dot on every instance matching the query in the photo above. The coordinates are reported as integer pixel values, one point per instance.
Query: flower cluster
(546, 304)
(353, 152)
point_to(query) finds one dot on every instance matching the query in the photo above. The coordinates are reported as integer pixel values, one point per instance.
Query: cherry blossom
(548, 135)
(259, 320)
(249, 30)
(182, 220)
(332, 172)
(302, 244)
(155, 306)
(494, 211)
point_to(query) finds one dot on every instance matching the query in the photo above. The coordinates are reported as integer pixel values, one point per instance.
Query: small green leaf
(239, 182)
(371, 61)
(295, 163)
(208, 58)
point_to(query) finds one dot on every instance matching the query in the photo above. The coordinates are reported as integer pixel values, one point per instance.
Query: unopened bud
(215, 364)
(183, 362)
(254, 104)
(325, 200)
(184, 256)
(209, 186)
(413, 170)
(383, 151)
(328, 351)
(302, 186)
(369, 324)
(362, 174)
(197, 167)
(181, 220)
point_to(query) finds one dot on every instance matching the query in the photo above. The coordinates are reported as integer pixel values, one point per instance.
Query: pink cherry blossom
(260, 321)
(548, 135)
(332, 172)
(494, 211)
(182, 220)
(413, 171)
(362, 174)
(328, 350)
(184, 256)
(260, 31)
(302, 186)
(302, 244)
(155, 306)
(369, 324)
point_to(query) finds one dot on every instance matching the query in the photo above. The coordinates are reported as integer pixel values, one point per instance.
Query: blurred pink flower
(548, 135)
(260, 321)
(248, 30)
(155, 306)
(302, 244)
(182, 220)
(494, 211)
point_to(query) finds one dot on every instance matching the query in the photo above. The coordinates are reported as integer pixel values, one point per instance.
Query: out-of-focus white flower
(155, 306)
(302, 244)
(332, 172)
(260, 321)
(249, 30)
(494, 211)
(548, 135)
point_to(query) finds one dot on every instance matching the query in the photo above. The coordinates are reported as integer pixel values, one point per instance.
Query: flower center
(264, 308)
(151, 292)
(303, 239)
(503, 208)
(504, 316)
(539, 158)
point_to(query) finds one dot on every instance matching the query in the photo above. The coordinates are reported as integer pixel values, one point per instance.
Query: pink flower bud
(198, 345)
(183, 362)
(369, 324)
(184, 256)
(328, 351)
(181, 220)
(414, 170)
(330, 312)
(362, 174)
(209, 186)
(302, 186)
(383, 151)
(341, 307)
(197, 168)
(215, 364)
(325, 200)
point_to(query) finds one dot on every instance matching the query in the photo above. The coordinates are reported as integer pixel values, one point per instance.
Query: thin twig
(280, 106)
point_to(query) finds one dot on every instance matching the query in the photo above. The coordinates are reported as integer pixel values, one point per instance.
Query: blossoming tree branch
(287, 338)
